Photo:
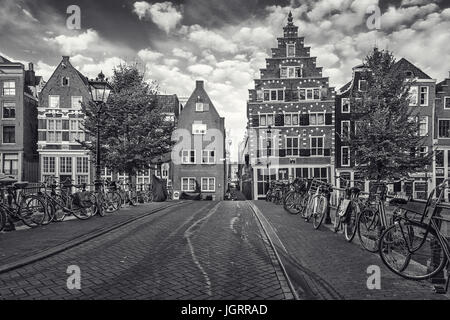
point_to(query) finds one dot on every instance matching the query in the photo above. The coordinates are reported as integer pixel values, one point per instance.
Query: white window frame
(65, 172)
(288, 72)
(84, 162)
(189, 180)
(189, 156)
(317, 148)
(9, 88)
(287, 50)
(316, 114)
(426, 124)
(68, 82)
(208, 157)
(50, 100)
(292, 148)
(359, 85)
(345, 101)
(199, 107)
(424, 152)
(427, 95)
(208, 184)
(309, 90)
(291, 116)
(439, 120)
(413, 96)
(5, 103)
(342, 128)
(79, 102)
(46, 165)
(267, 118)
(445, 101)
(199, 129)
(342, 156)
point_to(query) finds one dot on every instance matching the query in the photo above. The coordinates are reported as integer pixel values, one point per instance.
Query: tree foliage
(133, 130)
(386, 140)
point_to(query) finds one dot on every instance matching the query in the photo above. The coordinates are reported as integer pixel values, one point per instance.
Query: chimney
(31, 66)
(66, 58)
(199, 84)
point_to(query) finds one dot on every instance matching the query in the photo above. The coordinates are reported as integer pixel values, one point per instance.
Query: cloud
(149, 55)
(164, 14)
(91, 70)
(69, 45)
(44, 70)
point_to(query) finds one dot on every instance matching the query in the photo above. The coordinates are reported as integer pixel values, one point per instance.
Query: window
(259, 95)
(424, 96)
(188, 156)
(266, 95)
(317, 146)
(413, 96)
(65, 81)
(446, 102)
(188, 184)
(291, 72)
(423, 151)
(199, 107)
(65, 165)
(292, 146)
(345, 156)
(362, 85)
(53, 101)
(316, 119)
(345, 104)
(198, 128)
(9, 88)
(82, 165)
(290, 50)
(76, 102)
(266, 120)
(209, 184)
(9, 134)
(423, 126)
(291, 119)
(274, 95)
(310, 94)
(81, 179)
(444, 128)
(266, 145)
(48, 165)
(9, 110)
(11, 164)
(345, 130)
(208, 157)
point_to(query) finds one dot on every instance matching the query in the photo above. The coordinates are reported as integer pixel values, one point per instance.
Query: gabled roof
(170, 103)
(346, 87)
(84, 79)
(4, 60)
(404, 65)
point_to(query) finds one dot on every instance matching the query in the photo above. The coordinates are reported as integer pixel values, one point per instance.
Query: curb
(289, 290)
(77, 241)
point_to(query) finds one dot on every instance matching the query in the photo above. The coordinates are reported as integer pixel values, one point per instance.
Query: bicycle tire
(115, 199)
(369, 229)
(350, 223)
(58, 208)
(320, 211)
(32, 211)
(391, 243)
(3, 218)
(290, 204)
(83, 213)
(337, 218)
(307, 212)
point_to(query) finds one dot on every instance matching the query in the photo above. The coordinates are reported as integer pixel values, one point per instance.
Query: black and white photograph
(231, 156)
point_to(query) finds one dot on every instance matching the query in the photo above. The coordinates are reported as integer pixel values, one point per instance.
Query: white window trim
(197, 104)
(188, 178)
(3, 106)
(209, 153)
(287, 50)
(49, 99)
(359, 85)
(306, 94)
(189, 156)
(323, 146)
(266, 114)
(342, 127)
(290, 114)
(342, 156)
(68, 82)
(316, 113)
(416, 102)
(79, 102)
(263, 146)
(427, 133)
(427, 102)
(439, 119)
(201, 131)
(201, 184)
(445, 99)
(342, 105)
(298, 146)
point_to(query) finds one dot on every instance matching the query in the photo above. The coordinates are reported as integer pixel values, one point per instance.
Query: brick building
(442, 132)
(290, 116)
(18, 101)
(60, 125)
(199, 156)
(421, 106)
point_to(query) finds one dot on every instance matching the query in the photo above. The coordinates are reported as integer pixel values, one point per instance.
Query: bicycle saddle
(20, 185)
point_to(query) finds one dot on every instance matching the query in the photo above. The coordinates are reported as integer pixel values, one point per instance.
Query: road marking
(188, 234)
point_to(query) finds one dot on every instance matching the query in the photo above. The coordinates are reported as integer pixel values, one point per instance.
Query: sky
(223, 42)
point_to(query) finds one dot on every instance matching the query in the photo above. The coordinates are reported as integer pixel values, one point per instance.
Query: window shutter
(323, 93)
(304, 119)
(206, 107)
(279, 120)
(327, 152)
(305, 152)
(288, 95)
(398, 186)
(328, 119)
(255, 121)
(282, 153)
(42, 124)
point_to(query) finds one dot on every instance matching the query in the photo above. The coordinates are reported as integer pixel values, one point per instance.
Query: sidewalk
(331, 268)
(21, 244)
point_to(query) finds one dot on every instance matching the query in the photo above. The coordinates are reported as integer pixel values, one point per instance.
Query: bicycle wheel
(49, 216)
(2, 219)
(291, 203)
(81, 212)
(114, 201)
(369, 229)
(308, 210)
(337, 218)
(350, 223)
(319, 211)
(32, 211)
(58, 210)
(412, 251)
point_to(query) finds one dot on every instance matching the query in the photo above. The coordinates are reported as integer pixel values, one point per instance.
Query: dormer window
(199, 107)
(65, 81)
(362, 86)
(409, 74)
(290, 50)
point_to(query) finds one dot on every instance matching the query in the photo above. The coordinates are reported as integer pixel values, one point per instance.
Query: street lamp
(269, 146)
(100, 90)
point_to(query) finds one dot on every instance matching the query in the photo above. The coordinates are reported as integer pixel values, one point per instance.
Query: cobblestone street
(197, 250)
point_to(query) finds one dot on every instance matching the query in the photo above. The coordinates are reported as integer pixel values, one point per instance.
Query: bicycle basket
(83, 199)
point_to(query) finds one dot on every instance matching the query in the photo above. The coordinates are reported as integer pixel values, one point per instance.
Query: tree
(386, 140)
(133, 127)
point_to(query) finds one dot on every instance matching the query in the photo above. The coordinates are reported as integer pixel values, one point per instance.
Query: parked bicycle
(296, 198)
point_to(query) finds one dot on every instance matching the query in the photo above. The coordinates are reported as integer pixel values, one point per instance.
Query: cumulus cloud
(74, 44)
(149, 55)
(164, 14)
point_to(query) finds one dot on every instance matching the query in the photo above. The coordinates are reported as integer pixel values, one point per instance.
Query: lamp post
(100, 90)
(269, 146)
